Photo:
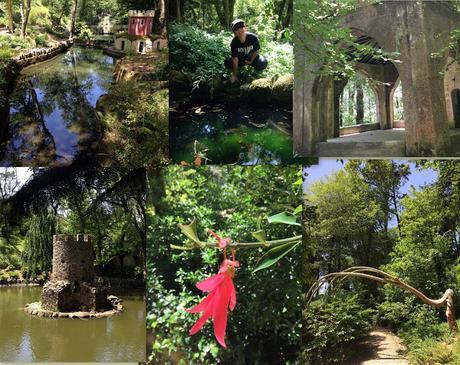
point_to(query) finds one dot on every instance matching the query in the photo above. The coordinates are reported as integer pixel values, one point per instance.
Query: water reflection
(242, 135)
(52, 109)
(25, 338)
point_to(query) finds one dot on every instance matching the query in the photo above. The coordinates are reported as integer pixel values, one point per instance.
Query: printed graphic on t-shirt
(244, 50)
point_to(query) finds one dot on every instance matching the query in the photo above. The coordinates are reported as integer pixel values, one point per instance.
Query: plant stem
(267, 244)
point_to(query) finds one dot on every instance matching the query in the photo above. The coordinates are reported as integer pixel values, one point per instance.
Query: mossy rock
(282, 89)
(258, 91)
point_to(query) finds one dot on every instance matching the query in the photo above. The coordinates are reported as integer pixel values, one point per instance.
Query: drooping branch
(382, 277)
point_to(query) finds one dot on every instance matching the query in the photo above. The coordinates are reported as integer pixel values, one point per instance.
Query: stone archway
(410, 29)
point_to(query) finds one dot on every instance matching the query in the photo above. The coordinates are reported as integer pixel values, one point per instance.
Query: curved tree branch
(382, 277)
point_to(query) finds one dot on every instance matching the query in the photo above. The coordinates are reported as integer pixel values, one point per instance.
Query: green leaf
(260, 236)
(190, 231)
(285, 218)
(272, 256)
(298, 209)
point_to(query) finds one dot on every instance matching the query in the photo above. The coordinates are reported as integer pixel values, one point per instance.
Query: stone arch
(409, 28)
(340, 87)
(452, 83)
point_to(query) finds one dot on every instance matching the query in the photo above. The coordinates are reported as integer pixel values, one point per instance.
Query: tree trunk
(162, 10)
(224, 9)
(382, 277)
(176, 5)
(287, 19)
(25, 12)
(73, 19)
(359, 105)
(9, 10)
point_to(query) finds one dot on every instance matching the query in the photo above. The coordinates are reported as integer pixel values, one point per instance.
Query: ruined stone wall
(451, 82)
(73, 258)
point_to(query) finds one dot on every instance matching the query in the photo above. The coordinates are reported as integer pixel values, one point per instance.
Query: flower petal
(201, 307)
(210, 283)
(201, 321)
(232, 294)
(220, 312)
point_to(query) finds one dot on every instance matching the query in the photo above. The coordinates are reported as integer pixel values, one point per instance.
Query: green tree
(230, 200)
(38, 249)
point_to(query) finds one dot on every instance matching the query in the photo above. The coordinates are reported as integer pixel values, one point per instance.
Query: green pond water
(52, 118)
(233, 135)
(26, 338)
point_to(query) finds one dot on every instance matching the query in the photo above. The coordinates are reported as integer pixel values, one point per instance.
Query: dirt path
(380, 347)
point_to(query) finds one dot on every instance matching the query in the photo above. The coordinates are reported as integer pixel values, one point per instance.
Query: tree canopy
(365, 215)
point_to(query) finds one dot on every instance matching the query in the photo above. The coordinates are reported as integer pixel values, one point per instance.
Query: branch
(233, 244)
(384, 278)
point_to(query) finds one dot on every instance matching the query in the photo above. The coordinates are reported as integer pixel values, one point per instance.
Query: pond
(233, 134)
(26, 338)
(52, 118)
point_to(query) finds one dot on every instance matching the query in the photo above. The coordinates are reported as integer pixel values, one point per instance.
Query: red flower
(222, 295)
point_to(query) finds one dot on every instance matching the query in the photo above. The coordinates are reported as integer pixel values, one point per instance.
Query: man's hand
(248, 62)
(233, 78)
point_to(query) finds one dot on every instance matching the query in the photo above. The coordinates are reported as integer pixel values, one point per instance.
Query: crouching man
(245, 50)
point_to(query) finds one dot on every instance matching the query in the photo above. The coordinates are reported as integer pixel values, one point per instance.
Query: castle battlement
(73, 257)
(141, 13)
(65, 238)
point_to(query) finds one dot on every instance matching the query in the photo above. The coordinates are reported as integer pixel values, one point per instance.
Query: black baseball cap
(237, 24)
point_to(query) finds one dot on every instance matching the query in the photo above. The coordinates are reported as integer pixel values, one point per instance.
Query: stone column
(423, 88)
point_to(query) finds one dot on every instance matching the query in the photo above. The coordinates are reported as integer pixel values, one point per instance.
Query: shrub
(39, 15)
(198, 53)
(202, 55)
(137, 121)
(430, 352)
(330, 324)
(83, 32)
(16, 43)
(41, 40)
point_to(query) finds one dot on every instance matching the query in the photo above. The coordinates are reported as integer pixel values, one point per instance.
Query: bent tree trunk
(382, 277)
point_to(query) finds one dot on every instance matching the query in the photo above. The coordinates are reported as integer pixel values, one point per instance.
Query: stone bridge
(415, 31)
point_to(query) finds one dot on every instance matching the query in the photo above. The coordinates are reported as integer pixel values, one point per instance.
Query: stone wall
(40, 55)
(73, 258)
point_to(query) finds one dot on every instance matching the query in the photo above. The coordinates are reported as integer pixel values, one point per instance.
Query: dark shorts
(260, 63)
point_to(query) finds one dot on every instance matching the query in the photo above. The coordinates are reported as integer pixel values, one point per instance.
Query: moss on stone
(258, 91)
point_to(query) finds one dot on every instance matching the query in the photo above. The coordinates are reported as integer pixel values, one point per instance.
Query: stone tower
(73, 258)
(72, 287)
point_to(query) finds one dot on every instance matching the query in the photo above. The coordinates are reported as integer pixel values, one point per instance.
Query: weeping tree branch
(382, 277)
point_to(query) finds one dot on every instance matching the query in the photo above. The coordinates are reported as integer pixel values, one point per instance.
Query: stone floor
(375, 144)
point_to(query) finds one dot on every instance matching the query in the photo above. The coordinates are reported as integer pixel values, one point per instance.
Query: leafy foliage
(201, 55)
(229, 200)
(136, 118)
(330, 324)
(38, 249)
(416, 240)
